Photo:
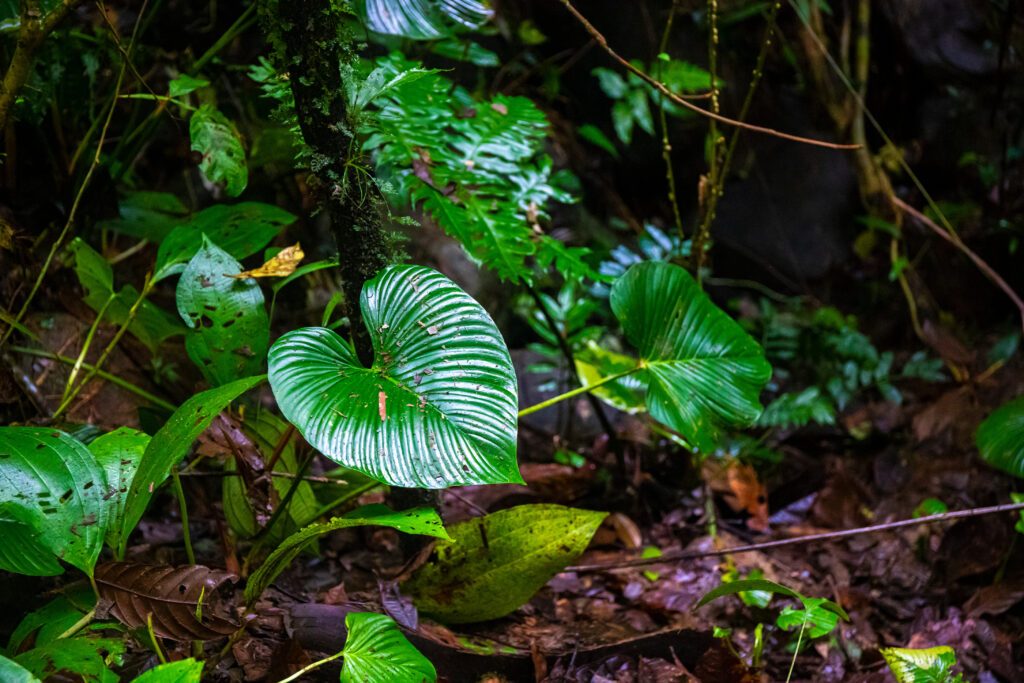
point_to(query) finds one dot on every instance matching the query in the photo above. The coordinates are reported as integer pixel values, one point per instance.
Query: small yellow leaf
(285, 263)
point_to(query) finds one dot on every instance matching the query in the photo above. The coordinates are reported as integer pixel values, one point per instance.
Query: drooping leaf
(818, 616)
(230, 331)
(376, 650)
(423, 521)
(423, 19)
(239, 229)
(51, 497)
(50, 621)
(12, 672)
(216, 138)
(930, 665)
(85, 658)
(746, 586)
(1000, 438)
(147, 215)
(183, 602)
(703, 371)
(494, 564)
(185, 84)
(169, 445)
(438, 406)
(281, 264)
(119, 454)
(813, 617)
(182, 671)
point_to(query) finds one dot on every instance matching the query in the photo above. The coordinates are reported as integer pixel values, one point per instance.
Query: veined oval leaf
(376, 650)
(51, 497)
(494, 564)
(1000, 437)
(229, 329)
(627, 394)
(929, 665)
(119, 454)
(86, 657)
(182, 671)
(423, 521)
(438, 406)
(423, 19)
(704, 371)
(216, 138)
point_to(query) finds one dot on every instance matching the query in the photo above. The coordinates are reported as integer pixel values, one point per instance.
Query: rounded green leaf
(51, 497)
(494, 564)
(376, 650)
(1000, 437)
(704, 372)
(438, 406)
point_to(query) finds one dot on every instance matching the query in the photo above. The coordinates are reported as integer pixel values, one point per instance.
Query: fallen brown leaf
(281, 265)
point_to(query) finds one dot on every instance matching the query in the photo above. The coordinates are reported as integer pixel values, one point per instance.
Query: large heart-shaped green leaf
(376, 650)
(423, 19)
(1000, 437)
(438, 406)
(703, 371)
(494, 564)
(51, 497)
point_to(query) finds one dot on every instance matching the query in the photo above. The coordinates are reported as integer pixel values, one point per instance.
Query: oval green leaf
(494, 564)
(51, 497)
(1000, 438)
(438, 406)
(376, 650)
(216, 138)
(704, 371)
(119, 454)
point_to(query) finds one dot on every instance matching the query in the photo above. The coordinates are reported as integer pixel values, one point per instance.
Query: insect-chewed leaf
(703, 370)
(86, 658)
(930, 665)
(1000, 438)
(119, 454)
(51, 502)
(216, 138)
(438, 406)
(184, 602)
(182, 671)
(376, 650)
(494, 564)
(282, 264)
(423, 19)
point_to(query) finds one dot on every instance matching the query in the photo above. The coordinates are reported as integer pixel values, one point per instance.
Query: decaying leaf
(741, 489)
(281, 265)
(183, 601)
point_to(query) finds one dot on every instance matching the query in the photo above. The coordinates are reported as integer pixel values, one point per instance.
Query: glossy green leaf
(239, 229)
(930, 665)
(182, 671)
(88, 658)
(627, 394)
(814, 618)
(438, 406)
(704, 373)
(423, 521)
(229, 329)
(216, 138)
(169, 445)
(119, 454)
(50, 484)
(12, 672)
(1000, 438)
(423, 19)
(376, 650)
(50, 621)
(494, 564)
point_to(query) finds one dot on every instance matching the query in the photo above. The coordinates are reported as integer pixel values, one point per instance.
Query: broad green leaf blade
(494, 564)
(183, 671)
(746, 586)
(931, 665)
(814, 618)
(50, 621)
(1000, 438)
(627, 394)
(51, 483)
(239, 229)
(438, 407)
(184, 84)
(705, 373)
(12, 672)
(376, 650)
(119, 454)
(169, 445)
(423, 521)
(21, 552)
(229, 329)
(423, 19)
(86, 657)
(216, 138)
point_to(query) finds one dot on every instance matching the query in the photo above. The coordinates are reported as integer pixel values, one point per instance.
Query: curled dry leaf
(184, 601)
(281, 265)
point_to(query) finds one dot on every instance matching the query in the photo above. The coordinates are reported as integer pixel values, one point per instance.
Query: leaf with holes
(184, 602)
(229, 329)
(182, 671)
(494, 564)
(216, 138)
(376, 650)
(119, 454)
(423, 19)
(171, 443)
(929, 665)
(423, 521)
(438, 406)
(51, 502)
(87, 659)
(703, 372)
(1000, 438)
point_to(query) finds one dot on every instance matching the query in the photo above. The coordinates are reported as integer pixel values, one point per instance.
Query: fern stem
(179, 492)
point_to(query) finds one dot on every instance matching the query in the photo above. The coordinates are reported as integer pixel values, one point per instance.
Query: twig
(660, 87)
(218, 474)
(681, 556)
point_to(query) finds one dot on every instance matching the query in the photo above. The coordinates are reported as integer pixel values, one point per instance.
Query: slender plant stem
(239, 26)
(666, 145)
(796, 652)
(152, 638)
(183, 509)
(681, 556)
(576, 392)
(79, 625)
(77, 367)
(309, 667)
